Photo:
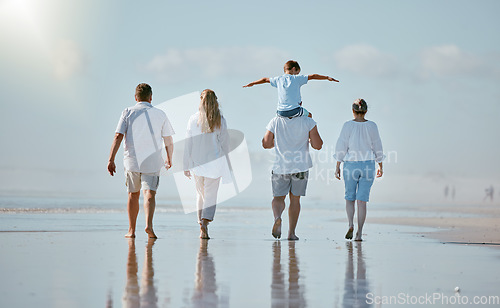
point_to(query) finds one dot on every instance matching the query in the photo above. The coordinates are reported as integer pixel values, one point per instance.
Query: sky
(429, 71)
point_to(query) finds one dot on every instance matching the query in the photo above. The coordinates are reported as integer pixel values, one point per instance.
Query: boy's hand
(248, 85)
(332, 79)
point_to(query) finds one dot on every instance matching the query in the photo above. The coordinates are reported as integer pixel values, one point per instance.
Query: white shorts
(136, 181)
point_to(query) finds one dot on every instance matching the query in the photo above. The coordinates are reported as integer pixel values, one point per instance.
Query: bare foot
(293, 237)
(204, 232)
(130, 234)
(277, 228)
(150, 232)
(358, 237)
(348, 235)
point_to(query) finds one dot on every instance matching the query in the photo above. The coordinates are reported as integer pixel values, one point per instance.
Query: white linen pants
(206, 197)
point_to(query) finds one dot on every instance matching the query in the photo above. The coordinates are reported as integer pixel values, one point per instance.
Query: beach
(56, 257)
(477, 224)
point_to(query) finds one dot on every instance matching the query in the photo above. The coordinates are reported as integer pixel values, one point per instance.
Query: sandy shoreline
(80, 259)
(475, 225)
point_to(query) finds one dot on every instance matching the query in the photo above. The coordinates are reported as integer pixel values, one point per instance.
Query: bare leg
(149, 210)
(293, 214)
(278, 206)
(133, 211)
(349, 208)
(204, 229)
(361, 219)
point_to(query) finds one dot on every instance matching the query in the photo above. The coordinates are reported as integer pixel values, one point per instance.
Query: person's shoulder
(126, 112)
(273, 122)
(130, 108)
(350, 124)
(194, 117)
(308, 120)
(276, 78)
(299, 76)
(157, 110)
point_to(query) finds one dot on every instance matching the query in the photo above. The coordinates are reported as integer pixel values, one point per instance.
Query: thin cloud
(182, 64)
(451, 61)
(367, 60)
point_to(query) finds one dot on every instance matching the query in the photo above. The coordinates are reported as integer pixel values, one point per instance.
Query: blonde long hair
(210, 116)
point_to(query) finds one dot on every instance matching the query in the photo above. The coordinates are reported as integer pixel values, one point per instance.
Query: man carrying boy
(288, 85)
(290, 138)
(145, 128)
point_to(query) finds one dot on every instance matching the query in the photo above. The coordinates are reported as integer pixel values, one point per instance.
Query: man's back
(144, 126)
(291, 143)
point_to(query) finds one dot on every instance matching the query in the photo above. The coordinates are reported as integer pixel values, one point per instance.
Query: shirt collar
(144, 103)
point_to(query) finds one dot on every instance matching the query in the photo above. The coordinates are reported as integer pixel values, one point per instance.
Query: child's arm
(320, 77)
(260, 81)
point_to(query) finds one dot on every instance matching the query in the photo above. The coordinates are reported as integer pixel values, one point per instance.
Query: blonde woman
(205, 156)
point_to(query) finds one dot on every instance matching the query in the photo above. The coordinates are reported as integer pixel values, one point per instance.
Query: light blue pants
(358, 179)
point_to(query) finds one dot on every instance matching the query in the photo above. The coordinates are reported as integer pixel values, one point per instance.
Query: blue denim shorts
(358, 179)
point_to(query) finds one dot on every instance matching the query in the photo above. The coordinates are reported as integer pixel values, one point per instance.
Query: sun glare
(22, 9)
(20, 19)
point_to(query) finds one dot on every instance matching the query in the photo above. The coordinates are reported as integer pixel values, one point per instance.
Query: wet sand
(466, 224)
(71, 259)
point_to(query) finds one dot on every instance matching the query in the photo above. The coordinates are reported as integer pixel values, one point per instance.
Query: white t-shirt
(288, 90)
(359, 141)
(291, 144)
(205, 153)
(144, 127)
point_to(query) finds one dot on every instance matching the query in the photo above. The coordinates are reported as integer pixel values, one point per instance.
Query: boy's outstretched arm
(260, 81)
(320, 77)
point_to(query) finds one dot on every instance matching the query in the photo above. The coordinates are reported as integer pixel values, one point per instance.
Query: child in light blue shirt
(288, 85)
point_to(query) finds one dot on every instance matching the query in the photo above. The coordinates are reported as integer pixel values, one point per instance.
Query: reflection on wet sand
(146, 295)
(355, 289)
(279, 296)
(205, 284)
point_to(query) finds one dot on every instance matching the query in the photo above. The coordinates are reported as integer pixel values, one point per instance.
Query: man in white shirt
(145, 128)
(290, 138)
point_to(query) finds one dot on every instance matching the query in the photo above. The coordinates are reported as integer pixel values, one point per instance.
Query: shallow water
(77, 257)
